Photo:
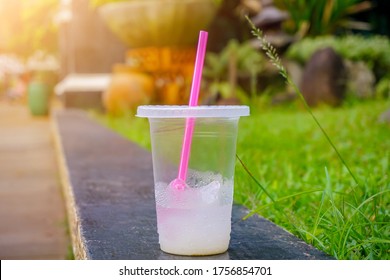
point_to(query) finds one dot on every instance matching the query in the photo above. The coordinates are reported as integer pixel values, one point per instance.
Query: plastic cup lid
(165, 111)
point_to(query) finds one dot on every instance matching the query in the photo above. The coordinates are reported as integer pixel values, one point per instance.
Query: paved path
(32, 213)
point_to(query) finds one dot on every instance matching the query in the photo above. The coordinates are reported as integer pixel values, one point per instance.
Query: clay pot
(127, 90)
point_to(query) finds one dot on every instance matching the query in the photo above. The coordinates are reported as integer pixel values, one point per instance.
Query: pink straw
(190, 122)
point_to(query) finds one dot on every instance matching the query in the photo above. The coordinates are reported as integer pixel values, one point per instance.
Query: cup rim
(185, 111)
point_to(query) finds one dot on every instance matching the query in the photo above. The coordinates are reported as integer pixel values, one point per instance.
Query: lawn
(290, 174)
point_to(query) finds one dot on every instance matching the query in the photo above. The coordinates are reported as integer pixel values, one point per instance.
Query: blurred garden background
(110, 56)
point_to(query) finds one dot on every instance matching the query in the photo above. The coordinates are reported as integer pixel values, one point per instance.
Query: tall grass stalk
(270, 51)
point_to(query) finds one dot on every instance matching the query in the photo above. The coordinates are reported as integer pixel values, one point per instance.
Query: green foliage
(382, 89)
(374, 50)
(320, 17)
(247, 62)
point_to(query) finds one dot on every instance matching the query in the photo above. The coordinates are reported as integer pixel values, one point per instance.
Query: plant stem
(270, 51)
(322, 129)
(254, 179)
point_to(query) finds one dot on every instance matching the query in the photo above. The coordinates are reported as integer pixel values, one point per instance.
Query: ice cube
(210, 192)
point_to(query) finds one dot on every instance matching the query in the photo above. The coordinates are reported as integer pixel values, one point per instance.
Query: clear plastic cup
(195, 220)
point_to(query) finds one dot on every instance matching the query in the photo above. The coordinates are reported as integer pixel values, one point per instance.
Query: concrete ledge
(108, 185)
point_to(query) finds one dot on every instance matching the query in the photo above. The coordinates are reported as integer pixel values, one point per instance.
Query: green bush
(374, 51)
(382, 89)
(247, 63)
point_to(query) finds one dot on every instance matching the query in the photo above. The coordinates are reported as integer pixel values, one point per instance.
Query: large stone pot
(159, 23)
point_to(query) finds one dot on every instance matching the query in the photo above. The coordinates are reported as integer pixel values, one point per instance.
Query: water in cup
(197, 219)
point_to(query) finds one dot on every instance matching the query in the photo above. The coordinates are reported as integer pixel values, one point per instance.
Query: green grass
(308, 191)
(312, 193)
